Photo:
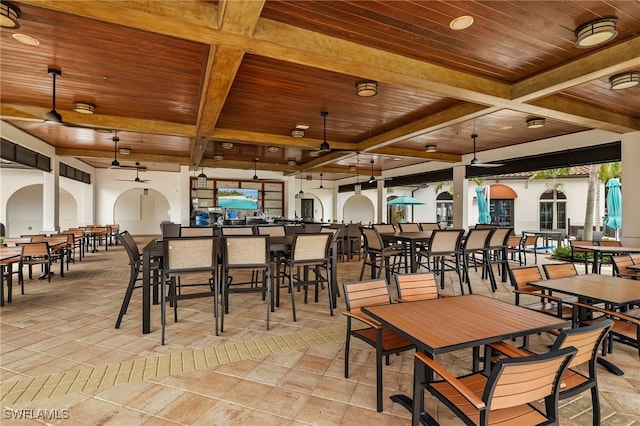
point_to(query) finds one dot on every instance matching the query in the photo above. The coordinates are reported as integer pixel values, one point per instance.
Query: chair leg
(346, 349)
(595, 403)
(127, 296)
(379, 370)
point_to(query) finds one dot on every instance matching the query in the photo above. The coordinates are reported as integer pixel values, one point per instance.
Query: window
(444, 208)
(553, 210)
(501, 212)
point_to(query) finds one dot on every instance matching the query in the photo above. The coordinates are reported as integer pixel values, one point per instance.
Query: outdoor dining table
(8, 256)
(413, 238)
(448, 324)
(599, 250)
(546, 234)
(596, 288)
(154, 250)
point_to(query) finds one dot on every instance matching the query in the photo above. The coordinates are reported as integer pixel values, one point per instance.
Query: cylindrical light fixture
(297, 133)
(367, 88)
(202, 180)
(624, 80)
(535, 123)
(596, 32)
(431, 148)
(9, 15)
(84, 108)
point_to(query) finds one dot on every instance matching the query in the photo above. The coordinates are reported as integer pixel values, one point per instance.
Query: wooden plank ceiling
(175, 80)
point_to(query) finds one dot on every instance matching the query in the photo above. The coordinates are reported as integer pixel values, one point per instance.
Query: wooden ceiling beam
(87, 153)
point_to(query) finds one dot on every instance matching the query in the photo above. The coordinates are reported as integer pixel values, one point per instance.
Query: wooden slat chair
(579, 254)
(384, 340)
(444, 253)
(309, 264)
(190, 263)
(112, 232)
(135, 272)
(635, 257)
(381, 257)
(625, 329)
(416, 286)
(620, 269)
(528, 244)
(513, 248)
(59, 248)
(509, 394)
(559, 270)
(38, 254)
(581, 375)
(552, 305)
(248, 253)
(11, 266)
(498, 253)
(604, 256)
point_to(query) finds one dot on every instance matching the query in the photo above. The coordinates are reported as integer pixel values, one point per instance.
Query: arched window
(501, 204)
(553, 210)
(444, 208)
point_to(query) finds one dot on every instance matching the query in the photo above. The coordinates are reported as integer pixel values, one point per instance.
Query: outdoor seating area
(320, 361)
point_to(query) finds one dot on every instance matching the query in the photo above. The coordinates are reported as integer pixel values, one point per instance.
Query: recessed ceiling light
(397, 159)
(461, 22)
(26, 39)
(302, 126)
(506, 127)
(226, 145)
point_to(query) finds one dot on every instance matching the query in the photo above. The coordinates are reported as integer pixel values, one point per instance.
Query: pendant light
(301, 193)
(202, 180)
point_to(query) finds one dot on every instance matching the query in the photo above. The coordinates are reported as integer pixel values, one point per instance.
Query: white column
(51, 199)
(630, 231)
(382, 202)
(460, 199)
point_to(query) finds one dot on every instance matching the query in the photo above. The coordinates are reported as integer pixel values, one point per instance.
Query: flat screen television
(238, 198)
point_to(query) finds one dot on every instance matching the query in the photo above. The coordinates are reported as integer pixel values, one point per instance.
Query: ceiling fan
(321, 187)
(115, 164)
(54, 116)
(477, 163)
(324, 146)
(137, 179)
(373, 179)
(255, 169)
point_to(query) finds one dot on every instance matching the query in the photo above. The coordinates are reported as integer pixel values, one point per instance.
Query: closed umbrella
(614, 204)
(404, 200)
(483, 208)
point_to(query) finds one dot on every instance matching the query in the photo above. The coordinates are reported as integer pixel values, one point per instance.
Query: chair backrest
(312, 228)
(416, 286)
(197, 231)
(130, 246)
(35, 249)
(500, 237)
(609, 243)
(518, 381)
(621, 262)
(514, 242)
(445, 240)
(635, 257)
(586, 339)
(35, 238)
(311, 247)
(237, 230)
(478, 238)
(559, 270)
(429, 226)
(14, 242)
(575, 246)
(189, 254)
(521, 277)
(384, 227)
(273, 230)
(372, 239)
(245, 251)
(170, 229)
(409, 227)
(529, 240)
(366, 293)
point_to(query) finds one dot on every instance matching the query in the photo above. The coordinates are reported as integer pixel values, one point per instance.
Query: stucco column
(382, 202)
(460, 199)
(51, 198)
(630, 231)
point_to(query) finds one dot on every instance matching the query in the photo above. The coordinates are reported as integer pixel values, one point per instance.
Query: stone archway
(140, 211)
(358, 209)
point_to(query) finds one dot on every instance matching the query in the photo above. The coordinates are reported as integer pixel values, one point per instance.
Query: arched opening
(24, 211)
(444, 209)
(358, 209)
(140, 211)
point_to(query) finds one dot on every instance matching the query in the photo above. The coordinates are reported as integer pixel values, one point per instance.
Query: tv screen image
(238, 198)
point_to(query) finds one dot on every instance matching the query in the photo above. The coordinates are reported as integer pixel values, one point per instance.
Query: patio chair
(409, 227)
(189, 263)
(528, 244)
(310, 256)
(620, 269)
(579, 254)
(379, 256)
(552, 305)
(197, 231)
(581, 374)
(429, 226)
(604, 256)
(511, 391)
(476, 244)
(559, 270)
(416, 286)
(384, 340)
(38, 253)
(444, 253)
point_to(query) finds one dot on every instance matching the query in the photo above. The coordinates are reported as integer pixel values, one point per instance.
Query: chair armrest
(452, 380)
(619, 315)
(364, 319)
(542, 296)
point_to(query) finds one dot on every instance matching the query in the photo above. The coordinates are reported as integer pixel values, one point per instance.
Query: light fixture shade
(625, 80)
(226, 145)
(596, 32)
(218, 157)
(291, 162)
(124, 151)
(84, 108)
(535, 123)
(273, 149)
(202, 180)
(431, 148)
(9, 16)
(297, 133)
(367, 88)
